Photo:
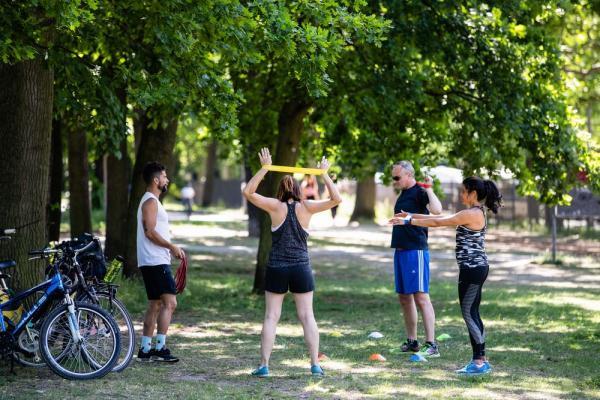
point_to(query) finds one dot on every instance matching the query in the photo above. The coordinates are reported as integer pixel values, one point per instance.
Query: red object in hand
(181, 275)
(424, 185)
(582, 176)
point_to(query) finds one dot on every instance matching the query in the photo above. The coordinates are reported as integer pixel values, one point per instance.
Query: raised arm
(435, 206)
(266, 203)
(315, 206)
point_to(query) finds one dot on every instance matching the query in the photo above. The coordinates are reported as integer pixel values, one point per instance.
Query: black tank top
(289, 247)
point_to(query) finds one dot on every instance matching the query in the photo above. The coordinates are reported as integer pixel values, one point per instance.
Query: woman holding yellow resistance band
(289, 265)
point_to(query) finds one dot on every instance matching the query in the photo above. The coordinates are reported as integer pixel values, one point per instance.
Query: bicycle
(77, 340)
(89, 286)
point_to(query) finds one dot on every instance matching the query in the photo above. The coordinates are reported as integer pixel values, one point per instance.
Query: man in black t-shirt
(411, 257)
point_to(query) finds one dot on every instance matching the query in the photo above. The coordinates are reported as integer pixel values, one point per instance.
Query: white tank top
(147, 252)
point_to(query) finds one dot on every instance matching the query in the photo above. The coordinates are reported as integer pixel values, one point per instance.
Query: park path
(515, 257)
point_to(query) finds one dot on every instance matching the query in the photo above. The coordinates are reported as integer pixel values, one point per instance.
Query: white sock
(161, 340)
(146, 343)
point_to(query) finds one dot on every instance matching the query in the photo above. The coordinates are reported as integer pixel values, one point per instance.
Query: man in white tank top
(154, 250)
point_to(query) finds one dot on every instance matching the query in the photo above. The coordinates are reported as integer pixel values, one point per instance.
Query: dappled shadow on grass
(542, 341)
(530, 340)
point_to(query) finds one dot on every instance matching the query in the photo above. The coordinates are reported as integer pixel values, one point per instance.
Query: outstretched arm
(315, 206)
(266, 203)
(460, 218)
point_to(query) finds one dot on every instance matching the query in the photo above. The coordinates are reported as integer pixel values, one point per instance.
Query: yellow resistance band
(298, 170)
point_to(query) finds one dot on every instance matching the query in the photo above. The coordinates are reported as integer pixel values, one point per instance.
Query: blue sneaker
(316, 370)
(472, 369)
(261, 372)
(463, 370)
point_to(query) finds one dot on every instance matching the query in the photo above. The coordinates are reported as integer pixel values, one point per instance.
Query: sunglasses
(396, 178)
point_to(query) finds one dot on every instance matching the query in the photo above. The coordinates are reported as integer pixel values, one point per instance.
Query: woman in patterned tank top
(471, 257)
(289, 265)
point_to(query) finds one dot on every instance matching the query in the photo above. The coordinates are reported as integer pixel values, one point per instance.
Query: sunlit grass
(542, 341)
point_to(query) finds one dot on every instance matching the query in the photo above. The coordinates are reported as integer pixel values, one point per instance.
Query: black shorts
(297, 279)
(158, 280)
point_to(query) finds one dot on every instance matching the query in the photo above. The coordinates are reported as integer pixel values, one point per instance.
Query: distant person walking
(187, 198)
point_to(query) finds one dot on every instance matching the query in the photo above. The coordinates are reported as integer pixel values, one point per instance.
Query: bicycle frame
(50, 287)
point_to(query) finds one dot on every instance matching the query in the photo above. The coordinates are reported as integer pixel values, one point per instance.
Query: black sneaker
(164, 355)
(410, 345)
(146, 357)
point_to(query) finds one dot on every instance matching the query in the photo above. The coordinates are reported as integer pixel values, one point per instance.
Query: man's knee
(405, 299)
(154, 307)
(422, 300)
(169, 302)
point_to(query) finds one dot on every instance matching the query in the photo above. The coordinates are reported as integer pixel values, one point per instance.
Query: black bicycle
(86, 274)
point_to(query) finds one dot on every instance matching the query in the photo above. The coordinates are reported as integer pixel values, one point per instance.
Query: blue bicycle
(77, 340)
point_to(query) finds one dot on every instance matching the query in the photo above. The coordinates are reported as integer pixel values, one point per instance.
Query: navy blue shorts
(411, 271)
(158, 280)
(297, 279)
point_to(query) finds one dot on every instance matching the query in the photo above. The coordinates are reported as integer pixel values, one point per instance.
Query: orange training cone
(376, 357)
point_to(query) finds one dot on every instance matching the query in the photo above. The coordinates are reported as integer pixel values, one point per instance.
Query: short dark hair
(151, 170)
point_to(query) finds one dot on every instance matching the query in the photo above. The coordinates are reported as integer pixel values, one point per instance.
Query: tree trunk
(116, 181)
(290, 127)
(97, 194)
(156, 144)
(79, 191)
(548, 210)
(26, 101)
(253, 211)
(364, 207)
(56, 185)
(533, 211)
(211, 166)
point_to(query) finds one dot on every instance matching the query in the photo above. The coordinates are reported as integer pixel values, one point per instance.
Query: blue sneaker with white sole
(316, 370)
(472, 369)
(261, 372)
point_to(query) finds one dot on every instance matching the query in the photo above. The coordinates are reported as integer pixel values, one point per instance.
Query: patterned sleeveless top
(289, 247)
(470, 246)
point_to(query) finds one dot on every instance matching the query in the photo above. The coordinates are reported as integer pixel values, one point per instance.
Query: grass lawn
(543, 335)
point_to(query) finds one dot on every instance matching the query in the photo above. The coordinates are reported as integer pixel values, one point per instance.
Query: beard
(164, 188)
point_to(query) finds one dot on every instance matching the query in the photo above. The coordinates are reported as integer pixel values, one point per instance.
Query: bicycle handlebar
(43, 253)
(5, 233)
(84, 248)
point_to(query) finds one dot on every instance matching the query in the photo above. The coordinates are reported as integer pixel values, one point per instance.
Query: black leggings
(470, 283)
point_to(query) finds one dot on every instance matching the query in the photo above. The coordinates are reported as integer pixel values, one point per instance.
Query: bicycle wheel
(117, 309)
(94, 355)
